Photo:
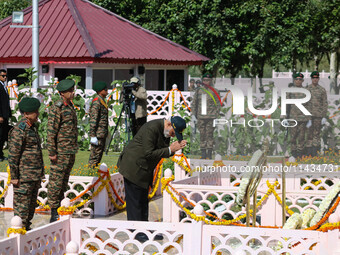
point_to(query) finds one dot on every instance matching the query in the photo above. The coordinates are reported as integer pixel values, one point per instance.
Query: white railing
(217, 192)
(9, 246)
(156, 98)
(232, 172)
(101, 203)
(48, 239)
(109, 237)
(236, 240)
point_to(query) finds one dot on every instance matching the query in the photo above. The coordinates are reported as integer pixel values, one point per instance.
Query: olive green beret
(65, 85)
(315, 73)
(298, 75)
(29, 104)
(99, 86)
(207, 75)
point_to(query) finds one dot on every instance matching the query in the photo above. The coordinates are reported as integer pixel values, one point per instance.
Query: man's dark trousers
(3, 135)
(137, 202)
(5, 113)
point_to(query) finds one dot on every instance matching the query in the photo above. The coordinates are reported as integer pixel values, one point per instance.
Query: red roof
(79, 31)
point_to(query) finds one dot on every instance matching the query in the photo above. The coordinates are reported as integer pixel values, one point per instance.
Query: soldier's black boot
(28, 226)
(54, 215)
(209, 154)
(204, 154)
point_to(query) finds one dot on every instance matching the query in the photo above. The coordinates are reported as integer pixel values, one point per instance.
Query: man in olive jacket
(140, 157)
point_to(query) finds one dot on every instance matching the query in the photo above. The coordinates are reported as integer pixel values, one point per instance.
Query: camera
(127, 91)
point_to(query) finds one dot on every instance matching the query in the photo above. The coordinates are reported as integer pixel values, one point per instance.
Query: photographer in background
(138, 117)
(5, 112)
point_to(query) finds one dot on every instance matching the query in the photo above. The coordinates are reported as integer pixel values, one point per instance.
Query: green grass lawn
(80, 165)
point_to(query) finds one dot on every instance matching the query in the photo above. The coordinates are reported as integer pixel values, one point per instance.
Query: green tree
(8, 6)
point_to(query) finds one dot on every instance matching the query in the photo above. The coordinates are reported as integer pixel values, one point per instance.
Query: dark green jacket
(140, 157)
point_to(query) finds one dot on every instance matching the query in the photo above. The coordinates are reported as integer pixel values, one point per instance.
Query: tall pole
(35, 41)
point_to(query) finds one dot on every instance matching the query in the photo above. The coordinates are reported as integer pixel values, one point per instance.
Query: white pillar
(65, 203)
(89, 80)
(167, 201)
(72, 248)
(186, 80)
(35, 42)
(9, 197)
(101, 201)
(179, 172)
(16, 223)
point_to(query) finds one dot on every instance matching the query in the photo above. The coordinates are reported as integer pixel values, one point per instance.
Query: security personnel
(298, 132)
(26, 161)
(205, 121)
(318, 107)
(191, 86)
(98, 123)
(138, 118)
(62, 145)
(5, 112)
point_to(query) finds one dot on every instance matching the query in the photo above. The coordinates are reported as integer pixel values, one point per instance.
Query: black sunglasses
(3, 75)
(298, 79)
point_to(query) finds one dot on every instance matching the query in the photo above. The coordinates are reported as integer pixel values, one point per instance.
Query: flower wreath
(251, 178)
(326, 204)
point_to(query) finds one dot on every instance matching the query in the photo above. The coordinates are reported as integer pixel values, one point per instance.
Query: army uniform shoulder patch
(95, 99)
(22, 125)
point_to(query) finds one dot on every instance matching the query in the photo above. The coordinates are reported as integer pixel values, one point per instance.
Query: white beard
(166, 133)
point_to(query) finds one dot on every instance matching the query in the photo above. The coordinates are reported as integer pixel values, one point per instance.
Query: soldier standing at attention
(205, 120)
(62, 145)
(298, 132)
(98, 123)
(191, 86)
(318, 106)
(26, 161)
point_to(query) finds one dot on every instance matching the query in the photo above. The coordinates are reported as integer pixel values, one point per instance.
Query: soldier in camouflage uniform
(317, 106)
(298, 132)
(26, 161)
(98, 123)
(205, 121)
(62, 145)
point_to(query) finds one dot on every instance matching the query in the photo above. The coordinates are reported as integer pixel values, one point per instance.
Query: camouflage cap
(29, 104)
(99, 86)
(207, 75)
(315, 73)
(298, 75)
(65, 85)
